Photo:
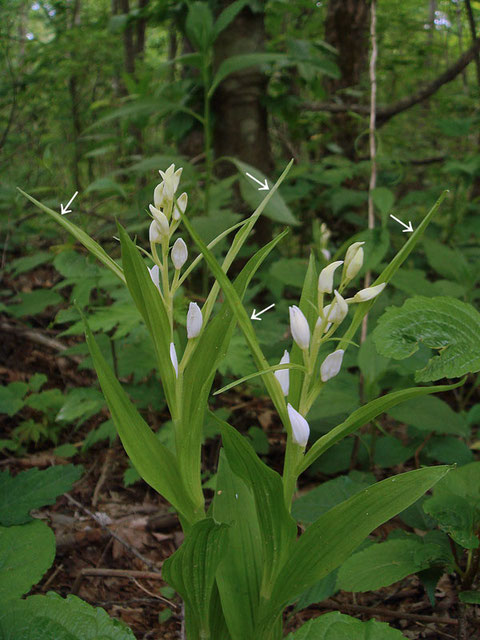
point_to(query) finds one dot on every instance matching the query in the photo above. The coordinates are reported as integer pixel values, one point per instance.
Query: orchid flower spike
(300, 427)
(179, 253)
(299, 327)
(336, 312)
(331, 365)
(325, 279)
(370, 292)
(194, 320)
(283, 375)
(173, 358)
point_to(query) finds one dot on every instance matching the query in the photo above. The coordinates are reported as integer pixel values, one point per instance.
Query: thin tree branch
(384, 114)
(473, 33)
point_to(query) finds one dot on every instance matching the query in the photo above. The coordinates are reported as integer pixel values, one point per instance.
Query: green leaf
(50, 616)
(240, 572)
(81, 402)
(11, 397)
(277, 527)
(26, 553)
(449, 263)
(380, 565)
(244, 61)
(276, 209)
(81, 236)
(27, 263)
(152, 308)
(191, 572)
(318, 501)
(455, 505)
(429, 413)
(330, 540)
(33, 302)
(383, 198)
(155, 463)
(107, 186)
(338, 626)
(33, 489)
(446, 324)
(470, 597)
(364, 414)
(227, 16)
(199, 26)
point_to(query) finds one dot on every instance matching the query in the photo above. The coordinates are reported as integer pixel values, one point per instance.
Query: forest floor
(112, 540)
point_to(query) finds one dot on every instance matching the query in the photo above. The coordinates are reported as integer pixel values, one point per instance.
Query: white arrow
(255, 315)
(64, 210)
(263, 185)
(408, 227)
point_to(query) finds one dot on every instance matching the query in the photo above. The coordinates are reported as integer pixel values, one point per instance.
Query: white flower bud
(158, 196)
(155, 234)
(300, 428)
(353, 260)
(367, 294)
(336, 312)
(180, 207)
(155, 275)
(179, 253)
(283, 375)
(326, 254)
(173, 358)
(194, 320)
(299, 327)
(171, 179)
(325, 279)
(161, 220)
(331, 365)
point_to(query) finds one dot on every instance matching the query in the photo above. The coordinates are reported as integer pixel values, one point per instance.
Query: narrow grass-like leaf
(90, 244)
(191, 572)
(276, 367)
(366, 413)
(154, 462)
(331, 539)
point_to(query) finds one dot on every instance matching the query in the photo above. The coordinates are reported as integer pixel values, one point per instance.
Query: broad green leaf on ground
(276, 209)
(382, 564)
(12, 397)
(429, 413)
(313, 504)
(33, 302)
(449, 263)
(338, 626)
(446, 324)
(329, 541)
(80, 404)
(33, 489)
(51, 616)
(470, 597)
(26, 553)
(455, 505)
(191, 572)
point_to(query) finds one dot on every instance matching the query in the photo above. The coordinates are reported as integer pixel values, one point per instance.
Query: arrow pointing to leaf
(64, 210)
(263, 185)
(255, 315)
(408, 227)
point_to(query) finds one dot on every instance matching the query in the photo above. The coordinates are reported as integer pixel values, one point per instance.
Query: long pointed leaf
(366, 413)
(154, 462)
(81, 236)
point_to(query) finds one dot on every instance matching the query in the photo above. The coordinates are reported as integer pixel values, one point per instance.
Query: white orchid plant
(242, 561)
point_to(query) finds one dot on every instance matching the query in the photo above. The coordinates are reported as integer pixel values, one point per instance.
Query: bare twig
(36, 336)
(103, 476)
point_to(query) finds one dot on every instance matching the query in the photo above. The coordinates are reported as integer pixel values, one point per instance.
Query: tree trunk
(240, 127)
(346, 29)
